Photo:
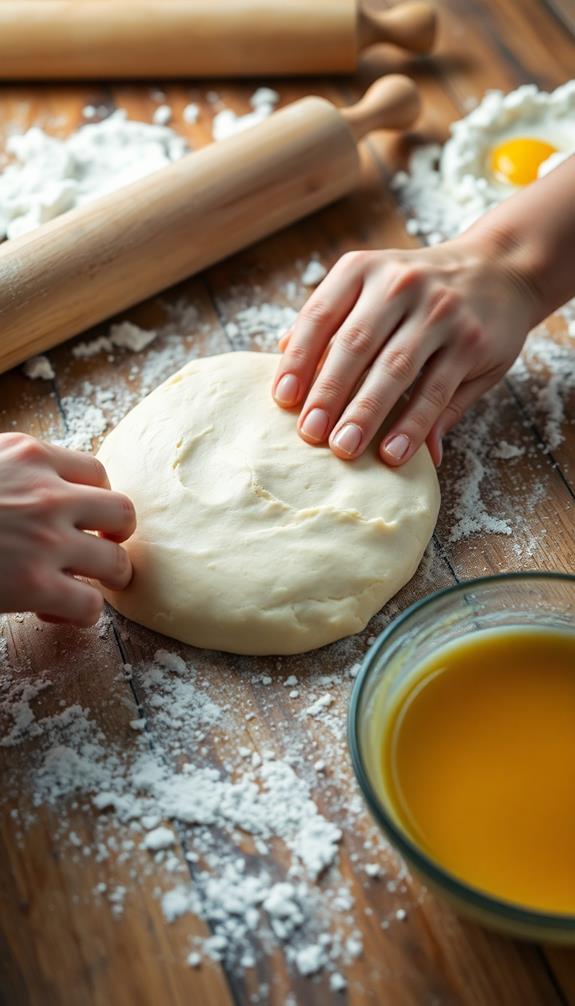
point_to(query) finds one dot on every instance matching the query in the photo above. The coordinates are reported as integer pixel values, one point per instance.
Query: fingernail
(439, 453)
(348, 438)
(287, 390)
(397, 447)
(315, 424)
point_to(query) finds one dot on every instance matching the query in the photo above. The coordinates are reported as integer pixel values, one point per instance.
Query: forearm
(532, 235)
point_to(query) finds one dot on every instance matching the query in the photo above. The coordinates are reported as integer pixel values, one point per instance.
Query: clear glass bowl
(510, 601)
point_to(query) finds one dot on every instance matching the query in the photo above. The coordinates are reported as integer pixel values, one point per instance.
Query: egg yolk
(517, 161)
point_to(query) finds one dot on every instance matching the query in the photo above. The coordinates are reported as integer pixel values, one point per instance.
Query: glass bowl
(510, 601)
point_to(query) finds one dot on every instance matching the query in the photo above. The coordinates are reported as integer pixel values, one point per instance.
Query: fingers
(56, 619)
(390, 376)
(354, 348)
(110, 512)
(65, 599)
(318, 320)
(430, 398)
(74, 466)
(98, 559)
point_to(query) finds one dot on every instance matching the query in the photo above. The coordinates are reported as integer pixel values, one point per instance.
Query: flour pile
(447, 189)
(207, 833)
(51, 176)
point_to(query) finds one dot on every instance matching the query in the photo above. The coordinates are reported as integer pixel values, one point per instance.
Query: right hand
(49, 498)
(444, 323)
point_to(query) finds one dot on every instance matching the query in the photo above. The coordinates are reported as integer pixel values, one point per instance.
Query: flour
(95, 407)
(162, 115)
(51, 176)
(191, 113)
(227, 122)
(124, 335)
(552, 365)
(261, 325)
(264, 97)
(159, 838)
(471, 439)
(313, 273)
(163, 777)
(85, 422)
(447, 189)
(319, 705)
(39, 368)
(506, 451)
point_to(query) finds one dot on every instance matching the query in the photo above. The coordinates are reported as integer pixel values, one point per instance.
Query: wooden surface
(59, 944)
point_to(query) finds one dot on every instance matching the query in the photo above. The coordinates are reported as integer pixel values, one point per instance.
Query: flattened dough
(249, 540)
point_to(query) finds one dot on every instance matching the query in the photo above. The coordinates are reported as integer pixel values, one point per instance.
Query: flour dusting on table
(206, 831)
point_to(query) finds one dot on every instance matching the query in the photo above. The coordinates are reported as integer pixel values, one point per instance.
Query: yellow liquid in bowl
(479, 764)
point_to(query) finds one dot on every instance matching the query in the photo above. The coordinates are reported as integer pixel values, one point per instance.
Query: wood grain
(58, 949)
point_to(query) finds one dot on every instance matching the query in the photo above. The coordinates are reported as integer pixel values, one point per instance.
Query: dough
(248, 539)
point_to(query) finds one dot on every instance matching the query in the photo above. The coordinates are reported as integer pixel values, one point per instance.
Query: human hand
(446, 322)
(49, 498)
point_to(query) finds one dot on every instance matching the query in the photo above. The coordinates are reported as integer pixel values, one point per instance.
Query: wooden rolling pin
(59, 39)
(105, 256)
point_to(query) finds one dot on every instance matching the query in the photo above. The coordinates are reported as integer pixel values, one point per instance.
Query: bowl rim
(476, 898)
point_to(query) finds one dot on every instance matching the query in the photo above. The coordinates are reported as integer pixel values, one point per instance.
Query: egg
(507, 142)
(517, 161)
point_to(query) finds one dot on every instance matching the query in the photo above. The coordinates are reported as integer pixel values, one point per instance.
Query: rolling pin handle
(411, 25)
(392, 102)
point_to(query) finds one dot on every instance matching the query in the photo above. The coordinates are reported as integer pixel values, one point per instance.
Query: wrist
(521, 260)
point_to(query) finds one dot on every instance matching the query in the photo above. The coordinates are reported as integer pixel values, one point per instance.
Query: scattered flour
(506, 452)
(84, 422)
(552, 366)
(471, 440)
(313, 273)
(264, 96)
(260, 324)
(165, 775)
(162, 115)
(191, 113)
(51, 176)
(124, 335)
(227, 122)
(39, 367)
(159, 838)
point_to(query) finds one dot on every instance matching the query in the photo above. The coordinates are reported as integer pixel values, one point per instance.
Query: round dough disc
(248, 539)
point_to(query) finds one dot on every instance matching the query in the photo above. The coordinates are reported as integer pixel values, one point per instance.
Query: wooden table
(60, 945)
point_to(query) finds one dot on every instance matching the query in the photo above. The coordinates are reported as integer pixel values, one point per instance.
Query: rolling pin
(63, 39)
(107, 255)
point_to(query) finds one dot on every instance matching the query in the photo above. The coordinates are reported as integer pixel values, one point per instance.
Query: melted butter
(479, 764)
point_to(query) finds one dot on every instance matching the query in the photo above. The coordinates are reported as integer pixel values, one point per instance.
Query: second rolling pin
(57, 39)
(105, 256)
